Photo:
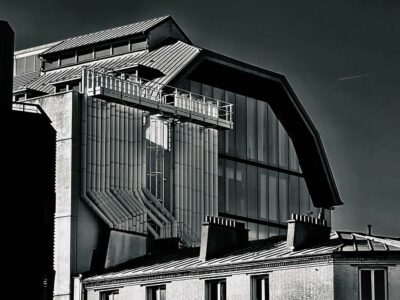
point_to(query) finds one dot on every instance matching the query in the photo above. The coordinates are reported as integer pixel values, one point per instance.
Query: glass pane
(251, 128)
(294, 194)
(253, 233)
(138, 45)
(283, 147)
(67, 59)
(195, 87)
(304, 198)
(222, 291)
(262, 231)
(230, 194)
(120, 48)
(252, 191)
(272, 137)
(241, 189)
(262, 131)
(221, 185)
(85, 55)
(220, 95)
(207, 90)
(273, 195)
(266, 288)
(366, 285)
(293, 161)
(162, 293)
(241, 130)
(379, 280)
(230, 134)
(283, 197)
(263, 193)
(102, 51)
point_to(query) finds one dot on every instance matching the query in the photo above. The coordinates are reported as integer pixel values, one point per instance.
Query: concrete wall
(77, 228)
(238, 287)
(347, 281)
(312, 282)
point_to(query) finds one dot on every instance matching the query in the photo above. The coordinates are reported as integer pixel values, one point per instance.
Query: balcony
(170, 102)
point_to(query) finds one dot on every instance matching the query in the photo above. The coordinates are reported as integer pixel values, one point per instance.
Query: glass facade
(260, 181)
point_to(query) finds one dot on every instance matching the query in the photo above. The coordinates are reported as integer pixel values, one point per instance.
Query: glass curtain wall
(260, 180)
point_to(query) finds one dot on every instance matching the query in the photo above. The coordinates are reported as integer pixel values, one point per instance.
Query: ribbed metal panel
(21, 80)
(256, 252)
(169, 59)
(44, 82)
(105, 35)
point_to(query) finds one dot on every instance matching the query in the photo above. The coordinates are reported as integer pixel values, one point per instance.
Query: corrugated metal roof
(105, 35)
(20, 81)
(44, 82)
(169, 59)
(257, 251)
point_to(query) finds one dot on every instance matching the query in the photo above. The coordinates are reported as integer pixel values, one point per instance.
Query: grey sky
(342, 58)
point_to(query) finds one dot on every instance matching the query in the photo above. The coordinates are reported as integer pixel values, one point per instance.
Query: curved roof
(226, 73)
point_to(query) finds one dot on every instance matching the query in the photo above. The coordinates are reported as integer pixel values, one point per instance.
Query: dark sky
(342, 58)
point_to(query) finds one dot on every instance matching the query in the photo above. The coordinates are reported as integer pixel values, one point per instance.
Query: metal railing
(129, 85)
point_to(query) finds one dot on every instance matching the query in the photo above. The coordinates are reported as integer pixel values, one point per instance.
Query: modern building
(154, 134)
(28, 167)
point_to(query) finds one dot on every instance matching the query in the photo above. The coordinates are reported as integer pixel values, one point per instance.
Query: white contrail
(356, 76)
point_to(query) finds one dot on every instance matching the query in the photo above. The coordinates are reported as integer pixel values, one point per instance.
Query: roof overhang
(226, 73)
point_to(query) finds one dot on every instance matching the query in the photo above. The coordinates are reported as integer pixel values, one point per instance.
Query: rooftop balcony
(155, 98)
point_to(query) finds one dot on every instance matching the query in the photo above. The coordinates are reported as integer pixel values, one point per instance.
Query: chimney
(305, 231)
(369, 229)
(220, 236)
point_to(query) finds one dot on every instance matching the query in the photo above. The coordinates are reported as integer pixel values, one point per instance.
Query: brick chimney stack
(220, 236)
(305, 231)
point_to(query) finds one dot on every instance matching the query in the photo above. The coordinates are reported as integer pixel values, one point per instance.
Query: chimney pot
(369, 229)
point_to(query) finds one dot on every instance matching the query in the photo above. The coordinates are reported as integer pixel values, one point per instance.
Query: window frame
(253, 279)
(159, 287)
(373, 269)
(103, 294)
(208, 291)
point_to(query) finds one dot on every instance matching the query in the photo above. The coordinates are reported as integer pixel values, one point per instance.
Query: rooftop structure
(154, 134)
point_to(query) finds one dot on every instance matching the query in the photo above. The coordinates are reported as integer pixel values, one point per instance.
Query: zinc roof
(105, 35)
(261, 251)
(169, 59)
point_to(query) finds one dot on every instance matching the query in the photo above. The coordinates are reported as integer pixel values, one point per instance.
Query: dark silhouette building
(29, 185)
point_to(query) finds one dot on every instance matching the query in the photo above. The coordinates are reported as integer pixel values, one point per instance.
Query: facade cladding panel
(259, 178)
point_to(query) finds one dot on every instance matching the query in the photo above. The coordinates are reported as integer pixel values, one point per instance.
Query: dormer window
(67, 59)
(120, 48)
(102, 51)
(84, 55)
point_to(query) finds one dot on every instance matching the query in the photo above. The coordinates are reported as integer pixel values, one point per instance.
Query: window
(67, 59)
(373, 284)
(102, 51)
(120, 48)
(260, 287)
(85, 55)
(109, 295)
(155, 292)
(216, 290)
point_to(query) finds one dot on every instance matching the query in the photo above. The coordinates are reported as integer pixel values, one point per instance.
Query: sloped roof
(169, 59)
(108, 34)
(20, 81)
(256, 252)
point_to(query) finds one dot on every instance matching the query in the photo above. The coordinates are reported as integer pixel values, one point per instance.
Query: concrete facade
(75, 223)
